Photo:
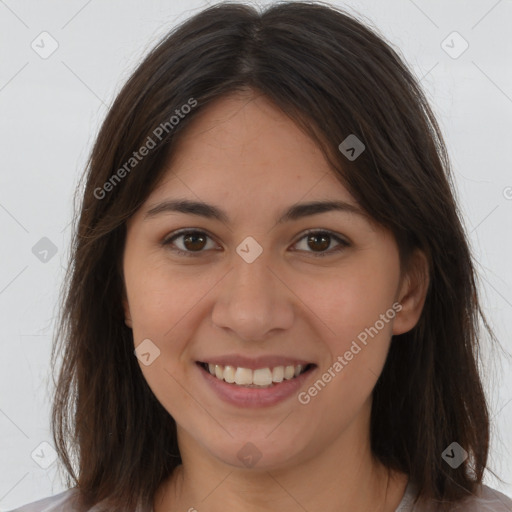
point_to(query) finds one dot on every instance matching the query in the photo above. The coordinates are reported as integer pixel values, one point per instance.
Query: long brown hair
(334, 77)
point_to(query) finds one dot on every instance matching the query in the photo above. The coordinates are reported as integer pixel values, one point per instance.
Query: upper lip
(253, 363)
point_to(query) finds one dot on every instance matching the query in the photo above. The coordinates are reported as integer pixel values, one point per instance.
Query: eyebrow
(210, 211)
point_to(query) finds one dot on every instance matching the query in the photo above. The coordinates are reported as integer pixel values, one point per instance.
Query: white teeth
(229, 374)
(243, 376)
(289, 372)
(278, 374)
(261, 377)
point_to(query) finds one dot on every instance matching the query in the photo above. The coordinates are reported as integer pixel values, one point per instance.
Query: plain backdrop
(51, 107)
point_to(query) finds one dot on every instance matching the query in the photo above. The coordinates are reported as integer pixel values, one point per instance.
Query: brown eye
(194, 241)
(191, 243)
(319, 241)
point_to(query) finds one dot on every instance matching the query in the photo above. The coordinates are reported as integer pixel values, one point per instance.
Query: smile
(250, 394)
(257, 378)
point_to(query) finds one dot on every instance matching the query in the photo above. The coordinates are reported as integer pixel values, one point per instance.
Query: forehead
(243, 144)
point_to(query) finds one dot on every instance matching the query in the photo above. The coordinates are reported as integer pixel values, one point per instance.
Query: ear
(124, 298)
(126, 308)
(412, 293)
(127, 316)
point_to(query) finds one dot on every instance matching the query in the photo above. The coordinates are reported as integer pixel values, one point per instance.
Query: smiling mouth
(258, 378)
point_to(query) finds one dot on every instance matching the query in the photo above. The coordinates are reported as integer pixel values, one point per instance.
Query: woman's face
(254, 290)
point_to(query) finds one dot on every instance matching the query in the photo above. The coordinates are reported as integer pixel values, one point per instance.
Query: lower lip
(255, 397)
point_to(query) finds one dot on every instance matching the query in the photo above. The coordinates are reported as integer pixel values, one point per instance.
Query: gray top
(488, 500)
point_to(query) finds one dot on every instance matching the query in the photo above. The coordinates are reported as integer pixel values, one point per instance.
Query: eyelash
(168, 241)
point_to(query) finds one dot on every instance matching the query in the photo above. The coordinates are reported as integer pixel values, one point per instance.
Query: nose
(253, 301)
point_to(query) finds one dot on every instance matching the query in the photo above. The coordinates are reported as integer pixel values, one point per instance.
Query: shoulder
(63, 502)
(66, 501)
(486, 500)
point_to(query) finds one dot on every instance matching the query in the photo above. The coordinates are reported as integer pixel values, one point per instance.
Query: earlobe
(127, 316)
(413, 293)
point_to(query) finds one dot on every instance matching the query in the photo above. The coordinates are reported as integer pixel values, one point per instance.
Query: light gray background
(50, 113)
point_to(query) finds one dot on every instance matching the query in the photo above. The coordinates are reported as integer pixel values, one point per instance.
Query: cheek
(356, 312)
(153, 303)
(167, 308)
(354, 301)
(156, 298)
(156, 308)
(160, 309)
(356, 346)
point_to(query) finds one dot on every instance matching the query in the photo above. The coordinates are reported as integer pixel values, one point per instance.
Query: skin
(245, 156)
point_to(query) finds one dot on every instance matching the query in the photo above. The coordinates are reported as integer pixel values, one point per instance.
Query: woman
(272, 302)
